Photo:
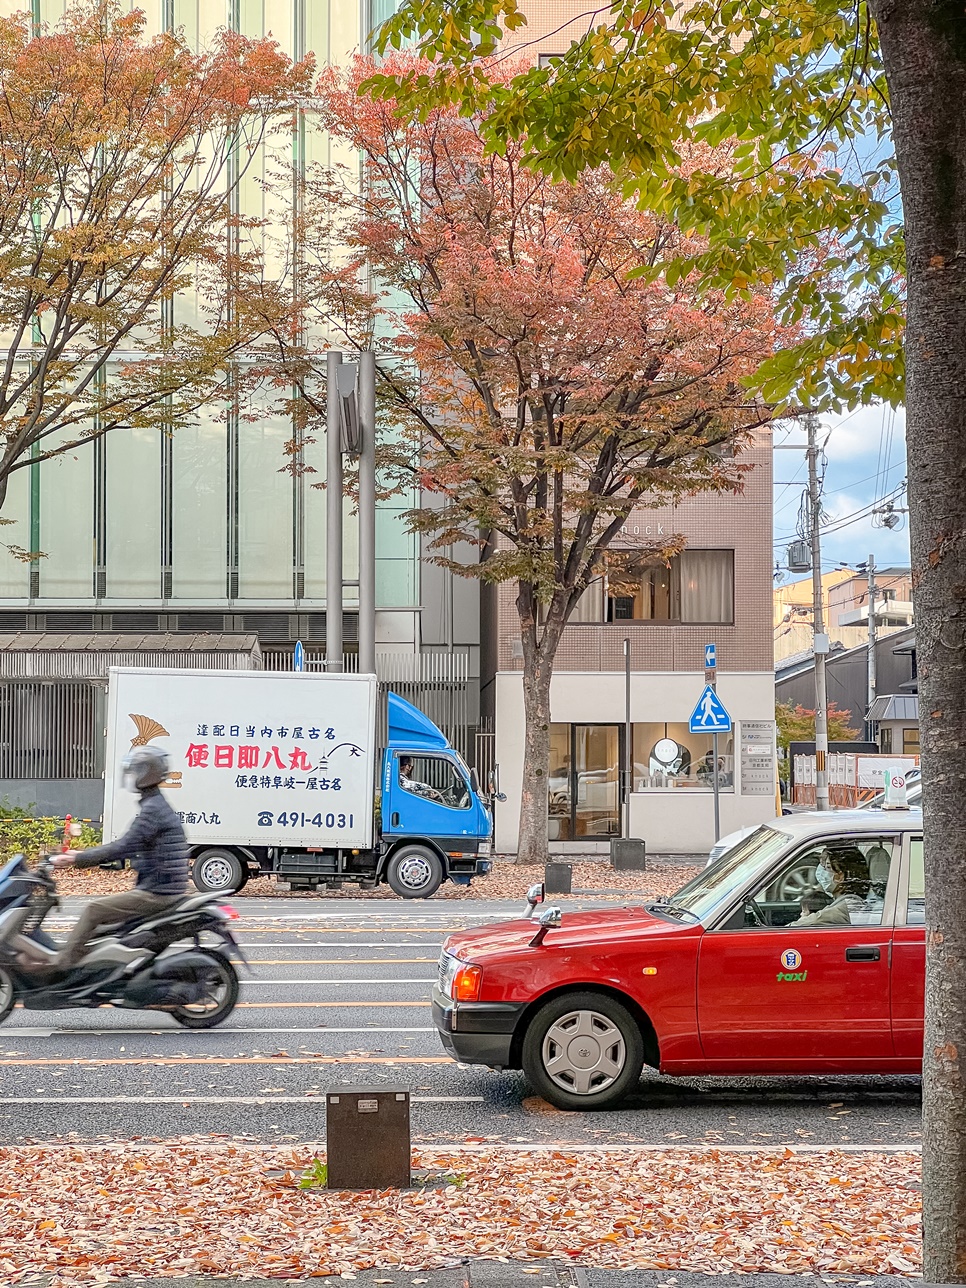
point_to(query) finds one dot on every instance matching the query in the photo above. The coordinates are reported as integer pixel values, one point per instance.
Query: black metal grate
(135, 622)
(13, 621)
(273, 627)
(69, 621)
(201, 622)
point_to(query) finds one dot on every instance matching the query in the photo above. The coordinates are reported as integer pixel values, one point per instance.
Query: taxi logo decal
(784, 978)
(791, 959)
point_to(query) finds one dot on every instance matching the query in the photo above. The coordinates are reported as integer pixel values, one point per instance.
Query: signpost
(710, 716)
(298, 661)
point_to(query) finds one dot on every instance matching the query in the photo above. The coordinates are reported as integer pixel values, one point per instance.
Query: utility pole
(872, 590)
(819, 638)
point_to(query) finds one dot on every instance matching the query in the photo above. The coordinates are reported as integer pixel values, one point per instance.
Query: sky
(865, 453)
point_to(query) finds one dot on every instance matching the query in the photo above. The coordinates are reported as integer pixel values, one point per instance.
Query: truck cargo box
(257, 757)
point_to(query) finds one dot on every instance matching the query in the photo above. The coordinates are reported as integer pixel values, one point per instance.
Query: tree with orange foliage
(539, 384)
(120, 159)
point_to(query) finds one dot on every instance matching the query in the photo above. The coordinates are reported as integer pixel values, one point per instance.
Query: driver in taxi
(843, 876)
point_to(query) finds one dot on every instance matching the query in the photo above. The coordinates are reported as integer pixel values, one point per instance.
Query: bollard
(367, 1138)
(558, 878)
(627, 854)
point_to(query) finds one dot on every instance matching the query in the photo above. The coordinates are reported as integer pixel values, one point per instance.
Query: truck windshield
(712, 886)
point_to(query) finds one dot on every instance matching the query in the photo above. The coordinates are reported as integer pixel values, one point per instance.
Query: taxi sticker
(791, 959)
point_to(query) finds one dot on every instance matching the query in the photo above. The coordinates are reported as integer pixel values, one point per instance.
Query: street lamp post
(351, 429)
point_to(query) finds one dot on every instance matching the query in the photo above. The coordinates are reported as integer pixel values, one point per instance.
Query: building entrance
(584, 792)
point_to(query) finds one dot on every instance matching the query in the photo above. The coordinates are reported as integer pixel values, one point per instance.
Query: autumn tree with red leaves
(119, 160)
(539, 386)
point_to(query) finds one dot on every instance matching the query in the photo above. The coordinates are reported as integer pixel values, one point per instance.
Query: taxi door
(909, 957)
(773, 995)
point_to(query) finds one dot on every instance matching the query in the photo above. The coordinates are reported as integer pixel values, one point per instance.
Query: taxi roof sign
(710, 715)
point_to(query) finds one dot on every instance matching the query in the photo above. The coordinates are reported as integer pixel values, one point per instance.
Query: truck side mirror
(475, 781)
(494, 784)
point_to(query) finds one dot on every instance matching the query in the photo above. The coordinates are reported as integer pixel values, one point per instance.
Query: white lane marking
(214, 1100)
(427, 917)
(279, 983)
(199, 1033)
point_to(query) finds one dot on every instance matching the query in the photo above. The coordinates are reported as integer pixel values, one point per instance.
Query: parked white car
(913, 800)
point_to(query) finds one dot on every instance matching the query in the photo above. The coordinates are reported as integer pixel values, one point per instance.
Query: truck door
(428, 795)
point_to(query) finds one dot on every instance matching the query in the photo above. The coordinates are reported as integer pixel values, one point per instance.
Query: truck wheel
(218, 872)
(415, 872)
(583, 1051)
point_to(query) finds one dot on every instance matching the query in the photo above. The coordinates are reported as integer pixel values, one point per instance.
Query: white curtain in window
(707, 586)
(590, 606)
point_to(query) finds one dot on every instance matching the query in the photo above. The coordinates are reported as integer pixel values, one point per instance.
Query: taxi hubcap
(584, 1052)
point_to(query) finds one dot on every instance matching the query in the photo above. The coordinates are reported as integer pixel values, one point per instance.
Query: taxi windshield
(713, 885)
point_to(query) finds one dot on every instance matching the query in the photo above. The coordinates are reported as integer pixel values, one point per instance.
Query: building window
(668, 756)
(910, 741)
(885, 741)
(697, 586)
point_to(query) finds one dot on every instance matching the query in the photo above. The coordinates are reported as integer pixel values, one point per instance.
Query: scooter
(154, 963)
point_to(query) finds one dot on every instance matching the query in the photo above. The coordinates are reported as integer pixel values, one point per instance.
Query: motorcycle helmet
(144, 767)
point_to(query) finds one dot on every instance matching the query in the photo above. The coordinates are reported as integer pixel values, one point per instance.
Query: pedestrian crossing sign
(709, 716)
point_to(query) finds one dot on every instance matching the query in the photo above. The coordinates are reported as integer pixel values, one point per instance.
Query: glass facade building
(205, 517)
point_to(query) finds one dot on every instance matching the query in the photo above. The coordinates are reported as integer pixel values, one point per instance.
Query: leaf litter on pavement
(92, 1215)
(504, 881)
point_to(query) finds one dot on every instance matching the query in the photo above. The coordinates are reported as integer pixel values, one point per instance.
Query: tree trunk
(532, 846)
(924, 49)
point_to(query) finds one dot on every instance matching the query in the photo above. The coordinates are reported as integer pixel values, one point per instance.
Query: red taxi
(802, 950)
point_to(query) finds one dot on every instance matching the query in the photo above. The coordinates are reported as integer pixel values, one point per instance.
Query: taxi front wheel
(583, 1051)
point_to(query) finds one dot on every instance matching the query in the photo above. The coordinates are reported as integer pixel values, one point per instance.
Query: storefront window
(668, 756)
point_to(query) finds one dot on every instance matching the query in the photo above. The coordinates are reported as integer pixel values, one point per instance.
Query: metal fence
(436, 683)
(51, 729)
(54, 728)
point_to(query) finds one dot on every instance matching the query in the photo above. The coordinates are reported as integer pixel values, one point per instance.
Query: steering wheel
(755, 908)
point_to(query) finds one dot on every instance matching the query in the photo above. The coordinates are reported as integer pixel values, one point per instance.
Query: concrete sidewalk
(530, 1274)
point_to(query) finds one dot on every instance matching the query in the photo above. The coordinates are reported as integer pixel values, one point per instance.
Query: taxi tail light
(467, 983)
(228, 912)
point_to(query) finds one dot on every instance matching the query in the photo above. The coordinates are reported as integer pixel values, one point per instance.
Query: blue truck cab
(435, 822)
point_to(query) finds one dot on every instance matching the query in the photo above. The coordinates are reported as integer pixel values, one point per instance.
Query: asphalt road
(340, 997)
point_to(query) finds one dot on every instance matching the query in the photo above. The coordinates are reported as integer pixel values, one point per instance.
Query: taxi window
(916, 902)
(835, 882)
(713, 886)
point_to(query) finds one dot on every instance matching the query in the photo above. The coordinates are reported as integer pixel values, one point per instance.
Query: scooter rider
(156, 846)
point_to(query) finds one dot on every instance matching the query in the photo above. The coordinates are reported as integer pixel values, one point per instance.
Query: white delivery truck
(278, 772)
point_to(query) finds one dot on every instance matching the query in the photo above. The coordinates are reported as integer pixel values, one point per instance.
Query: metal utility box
(558, 878)
(367, 1138)
(627, 854)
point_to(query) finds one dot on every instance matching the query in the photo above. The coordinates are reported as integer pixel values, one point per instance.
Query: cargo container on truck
(279, 773)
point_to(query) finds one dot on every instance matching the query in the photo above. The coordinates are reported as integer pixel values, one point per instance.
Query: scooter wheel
(8, 993)
(224, 995)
